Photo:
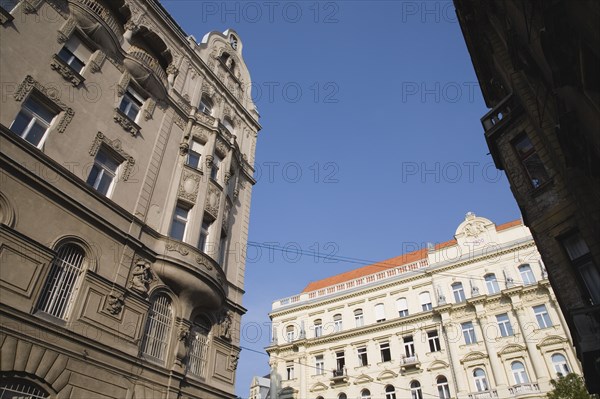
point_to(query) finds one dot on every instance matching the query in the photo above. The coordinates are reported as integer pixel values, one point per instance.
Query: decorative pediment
(319, 386)
(552, 340)
(437, 365)
(511, 348)
(363, 379)
(386, 375)
(472, 356)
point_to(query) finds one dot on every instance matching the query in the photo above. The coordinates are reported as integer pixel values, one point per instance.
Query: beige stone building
(126, 158)
(260, 387)
(471, 318)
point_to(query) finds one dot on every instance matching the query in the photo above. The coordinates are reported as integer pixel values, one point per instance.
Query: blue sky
(371, 140)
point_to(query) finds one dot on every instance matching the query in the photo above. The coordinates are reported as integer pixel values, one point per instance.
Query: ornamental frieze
(188, 186)
(213, 198)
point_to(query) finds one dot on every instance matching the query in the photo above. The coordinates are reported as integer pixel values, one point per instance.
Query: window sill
(65, 70)
(126, 123)
(197, 170)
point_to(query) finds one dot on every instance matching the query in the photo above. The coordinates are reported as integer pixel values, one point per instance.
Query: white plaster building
(474, 317)
(260, 387)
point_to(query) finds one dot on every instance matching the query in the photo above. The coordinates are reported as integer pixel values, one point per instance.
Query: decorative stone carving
(172, 69)
(66, 71)
(184, 147)
(206, 119)
(127, 124)
(66, 29)
(178, 120)
(233, 361)
(200, 134)
(183, 335)
(123, 83)
(175, 247)
(213, 199)
(221, 148)
(204, 262)
(225, 326)
(114, 303)
(227, 177)
(474, 229)
(117, 147)
(149, 107)
(209, 161)
(141, 277)
(188, 187)
(226, 212)
(97, 60)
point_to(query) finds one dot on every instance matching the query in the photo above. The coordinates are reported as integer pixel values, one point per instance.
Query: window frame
(491, 283)
(556, 364)
(69, 53)
(135, 100)
(542, 315)
(468, 330)
(199, 344)
(337, 323)
(504, 325)
(425, 299)
(580, 257)
(519, 375)
(163, 335)
(458, 292)
(320, 364)
(434, 341)
(359, 319)
(35, 118)
(408, 343)
(402, 311)
(526, 157)
(390, 392)
(415, 390)
(363, 359)
(443, 387)
(318, 328)
(527, 275)
(195, 150)
(481, 383)
(206, 104)
(384, 348)
(103, 168)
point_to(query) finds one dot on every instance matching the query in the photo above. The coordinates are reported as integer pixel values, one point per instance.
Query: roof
(391, 263)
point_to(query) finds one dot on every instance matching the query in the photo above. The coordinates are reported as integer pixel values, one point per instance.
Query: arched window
(415, 390)
(425, 300)
(379, 313)
(519, 373)
(206, 105)
(158, 327)
(337, 322)
(459, 292)
(290, 333)
(560, 364)
(19, 388)
(491, 283)
(442, 387)
(527, 274)
(199, 343)
(402, 307)
(342, 396)
(390, 392)
(318, 327)
(358, 318)
(365, 394)
(63, 281)
(480, 380)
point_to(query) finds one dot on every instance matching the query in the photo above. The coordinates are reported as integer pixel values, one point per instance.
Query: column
(455, 366)
(497, 369)
(534, 354)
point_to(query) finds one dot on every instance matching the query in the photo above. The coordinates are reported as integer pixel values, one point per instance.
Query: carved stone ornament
(213, 198)
(206, 119)
(184, 148)
(208, 89)
(474, 229)
(97, 60)
(233, 361)
(225, 325)
(127, 124)
(66, 71)
(188, 186)
(221, 148)
(175, 247)
(30, 83)
(141, 277)
(114, 303)
(178, 120)
(117, 147)
(204, 262)
(172, 69)
(200, 134)
(149, 107)
(225, 222)
(209, 161)
(123, 83)
(66, 30)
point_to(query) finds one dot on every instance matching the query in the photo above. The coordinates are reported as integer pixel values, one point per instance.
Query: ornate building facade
(127, 152)
(471, 318)
(537, 64)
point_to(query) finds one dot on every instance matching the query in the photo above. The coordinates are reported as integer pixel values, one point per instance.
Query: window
(519, 373)
(542, 316)
(204, 235)
(319, 364)
(560, 364)
(358, 318)
(342, 396)
(362, 356)
(179, 223)
(222, 247)
(206, 105)
(379, 313)
(158, 328)
(214, 170)
(365, 394)
(415, 390)
(194, 155)
(289, 333)
(131, 104)
(402, 307)
(459, 293)
(386, 354)
(434, 341)
(581, 259)
(492, 284)
(33, 121)
(289, 370)
(469, 333)
(530, 160)
(318, 326)
(425, 301)
(74, 53)
(228, 125)
(198, 347)
(19, 388)
(480, 380)
(337, 322)
(504, 325)
(63, 281)
(8, 5)
(443, 388)
(340, 362)
(409, 345)
(526, 274)
(390, 392)
(103, 173)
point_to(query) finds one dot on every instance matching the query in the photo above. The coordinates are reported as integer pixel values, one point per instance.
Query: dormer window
(206, 105)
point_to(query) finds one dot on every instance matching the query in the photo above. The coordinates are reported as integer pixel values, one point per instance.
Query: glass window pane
(36, 133)
(20, 123)
(91, 180)
(104, 184)
(177, 230)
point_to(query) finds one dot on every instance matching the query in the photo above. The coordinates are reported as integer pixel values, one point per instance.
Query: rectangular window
(402, 306)
(74, 53)
(340, 361)
(434, 341)
(204, 234)
(504, 325)
(358, 318)
(194, 155)
(530, 160)
(425, 301)
(469, 333)
(214, 170)
(386, 354)
(379, 313)
(319, 364)
(362, 356)
(459, 293)
(318, 330)
(581, 259)
(131, 103)
(542, 316)
(103, 174)
(289, 370)
(337, 323)
(33, 121)
(409, 345)
(179, 223)
(222, 248)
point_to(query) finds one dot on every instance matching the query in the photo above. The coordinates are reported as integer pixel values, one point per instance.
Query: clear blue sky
(370, 113)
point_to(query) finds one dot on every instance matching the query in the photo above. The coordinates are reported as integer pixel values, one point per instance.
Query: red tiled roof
(389, 263)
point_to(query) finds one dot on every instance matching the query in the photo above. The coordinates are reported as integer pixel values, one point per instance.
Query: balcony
(497, 121)
(99, 23)
(146, 70)
(149, 62)
(523, 389)
(490, 394)
(340, 376)
(103, 14)
(409, 362)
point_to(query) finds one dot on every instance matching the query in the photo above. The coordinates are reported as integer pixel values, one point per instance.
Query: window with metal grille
(63, 281)
(19, 389)
(199, 343)
(158, 328)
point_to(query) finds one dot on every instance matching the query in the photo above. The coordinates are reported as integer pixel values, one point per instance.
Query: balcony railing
(149, 61)
(500, 113)
(491, 394)
(339, 375)
(523, 389)
(409, 360)
(102, 13)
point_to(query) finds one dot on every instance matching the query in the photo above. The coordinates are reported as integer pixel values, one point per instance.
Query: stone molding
(116, 146)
